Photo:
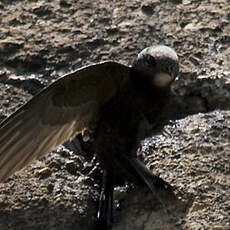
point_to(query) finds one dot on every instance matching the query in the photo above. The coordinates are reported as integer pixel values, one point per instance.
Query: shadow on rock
(141, 210)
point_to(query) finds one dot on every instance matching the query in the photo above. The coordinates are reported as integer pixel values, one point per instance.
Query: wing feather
(57, 114)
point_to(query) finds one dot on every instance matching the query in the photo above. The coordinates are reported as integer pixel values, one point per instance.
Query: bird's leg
(105, 208)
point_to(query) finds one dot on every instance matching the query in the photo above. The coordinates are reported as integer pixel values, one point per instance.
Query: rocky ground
(41, 40)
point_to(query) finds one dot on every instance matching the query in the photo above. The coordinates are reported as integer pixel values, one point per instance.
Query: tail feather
(143, 175)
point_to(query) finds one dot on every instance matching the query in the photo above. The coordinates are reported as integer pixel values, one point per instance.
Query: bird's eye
(150, 60)
(170, 69)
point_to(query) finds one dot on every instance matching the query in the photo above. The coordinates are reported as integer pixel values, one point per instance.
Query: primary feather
(58, 113)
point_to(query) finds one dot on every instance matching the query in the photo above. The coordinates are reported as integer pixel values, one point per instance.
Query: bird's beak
(162, 79)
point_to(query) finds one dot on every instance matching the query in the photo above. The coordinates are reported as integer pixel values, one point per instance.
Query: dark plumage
(109, 99)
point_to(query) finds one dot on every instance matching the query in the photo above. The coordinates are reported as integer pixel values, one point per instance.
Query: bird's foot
(90, 167)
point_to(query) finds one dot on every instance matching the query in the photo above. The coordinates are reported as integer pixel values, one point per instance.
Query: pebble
(44, 172)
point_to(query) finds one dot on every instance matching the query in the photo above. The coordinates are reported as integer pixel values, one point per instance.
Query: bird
(112, 104)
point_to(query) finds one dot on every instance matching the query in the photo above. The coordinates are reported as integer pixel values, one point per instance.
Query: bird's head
(158, 64)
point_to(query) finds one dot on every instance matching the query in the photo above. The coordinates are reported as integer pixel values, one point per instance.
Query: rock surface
(41, 40)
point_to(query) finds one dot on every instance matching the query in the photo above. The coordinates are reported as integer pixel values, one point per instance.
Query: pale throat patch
(162, 79)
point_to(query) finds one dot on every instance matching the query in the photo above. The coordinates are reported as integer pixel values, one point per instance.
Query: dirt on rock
(41, 40)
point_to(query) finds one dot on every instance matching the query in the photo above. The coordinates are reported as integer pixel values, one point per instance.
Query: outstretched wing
(57, 114)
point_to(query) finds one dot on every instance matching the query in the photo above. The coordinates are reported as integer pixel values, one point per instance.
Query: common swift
(111, 101)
